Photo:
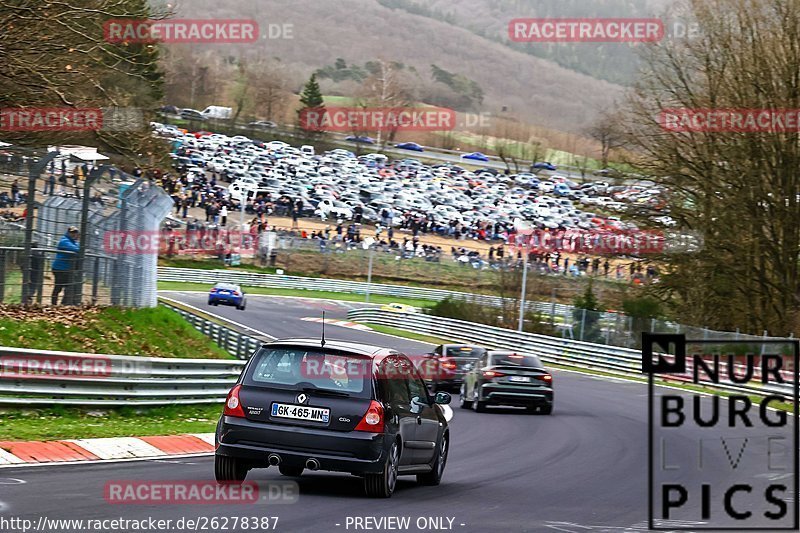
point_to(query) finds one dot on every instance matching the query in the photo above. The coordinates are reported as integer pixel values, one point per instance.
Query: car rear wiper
(328, 392)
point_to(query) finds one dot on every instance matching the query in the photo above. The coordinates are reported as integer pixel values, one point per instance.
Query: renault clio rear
(343, 407)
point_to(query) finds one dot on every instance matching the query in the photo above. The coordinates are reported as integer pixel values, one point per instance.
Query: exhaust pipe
(312, 464)
(274, 459)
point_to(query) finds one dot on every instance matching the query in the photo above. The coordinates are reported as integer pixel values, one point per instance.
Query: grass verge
(300, 293)
(155, 332)
(75, 423)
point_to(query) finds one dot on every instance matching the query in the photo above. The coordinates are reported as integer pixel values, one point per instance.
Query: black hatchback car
(508, 378)
(342, 407)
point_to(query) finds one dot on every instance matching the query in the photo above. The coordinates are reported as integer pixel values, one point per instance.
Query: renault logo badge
(302, 398)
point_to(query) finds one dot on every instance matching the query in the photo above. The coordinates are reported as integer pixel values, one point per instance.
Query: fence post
(3, 275)
(95, 280)
(583, 322)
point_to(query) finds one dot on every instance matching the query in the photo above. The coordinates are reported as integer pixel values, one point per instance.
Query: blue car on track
(227, 294)
(476, 156)
(410, 146)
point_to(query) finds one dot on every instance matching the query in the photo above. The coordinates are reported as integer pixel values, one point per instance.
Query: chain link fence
(45, 194)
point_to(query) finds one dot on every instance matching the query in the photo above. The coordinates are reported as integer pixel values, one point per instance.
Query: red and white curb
(29, 453)
(342, 323)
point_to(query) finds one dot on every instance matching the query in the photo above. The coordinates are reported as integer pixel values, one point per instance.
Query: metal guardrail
(238, 344)
(45, 378)
(607, 359)
(251, 279)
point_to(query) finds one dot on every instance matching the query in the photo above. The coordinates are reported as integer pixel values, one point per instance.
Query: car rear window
(226, 286)
(464, 351)
(513, 359)
(302, 368)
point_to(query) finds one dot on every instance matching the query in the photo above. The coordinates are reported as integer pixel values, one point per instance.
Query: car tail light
(448, 364)
(233, 406)
(547, 378)
(373, 419)
(213, 290)
(236, 293)
(492, 374)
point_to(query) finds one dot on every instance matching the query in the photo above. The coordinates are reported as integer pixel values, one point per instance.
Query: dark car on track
(508, 378)
(227, 294)
(544, 165)
(360, 139)
(410, 146)
(336, 406)
(445, 367)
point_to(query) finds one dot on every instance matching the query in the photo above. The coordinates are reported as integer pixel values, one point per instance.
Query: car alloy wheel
(434, 477)
(382, 485)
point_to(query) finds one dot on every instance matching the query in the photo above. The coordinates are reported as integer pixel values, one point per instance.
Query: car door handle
(419, 420)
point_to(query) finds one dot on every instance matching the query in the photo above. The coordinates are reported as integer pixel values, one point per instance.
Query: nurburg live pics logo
(722, 461)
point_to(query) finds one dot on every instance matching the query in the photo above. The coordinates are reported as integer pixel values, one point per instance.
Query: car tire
(434, 477)
(382, 485)
(546, 409)
(462, 399)
(477, 405)
(291, 471)
(229, 469)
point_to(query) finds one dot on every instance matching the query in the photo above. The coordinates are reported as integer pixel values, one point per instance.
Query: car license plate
(301, 412)
(520, 379)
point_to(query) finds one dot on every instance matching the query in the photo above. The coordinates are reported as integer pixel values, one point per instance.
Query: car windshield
(308, 369)
(513, 359)
(464, 351)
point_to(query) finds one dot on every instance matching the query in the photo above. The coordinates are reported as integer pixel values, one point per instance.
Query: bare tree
(607, 129)
(740, 190)
(55, 54)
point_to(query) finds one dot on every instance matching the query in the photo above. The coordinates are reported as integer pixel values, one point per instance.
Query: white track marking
(8, 459)
(119, 448)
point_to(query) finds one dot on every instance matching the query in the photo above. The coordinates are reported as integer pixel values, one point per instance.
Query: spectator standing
(223, 214)
(15, 192)
(64, 265)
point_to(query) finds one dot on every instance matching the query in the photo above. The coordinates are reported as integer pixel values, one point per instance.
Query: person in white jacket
(223, 215)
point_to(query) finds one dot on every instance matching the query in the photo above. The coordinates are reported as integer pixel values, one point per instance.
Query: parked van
(215, 111)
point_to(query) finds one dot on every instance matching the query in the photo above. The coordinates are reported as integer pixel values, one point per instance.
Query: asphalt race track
(582, 469)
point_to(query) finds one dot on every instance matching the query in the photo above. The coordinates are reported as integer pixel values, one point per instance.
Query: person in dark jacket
(64, 264)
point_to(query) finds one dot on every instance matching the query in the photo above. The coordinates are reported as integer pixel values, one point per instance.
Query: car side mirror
(417, 404)
(442, 398)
